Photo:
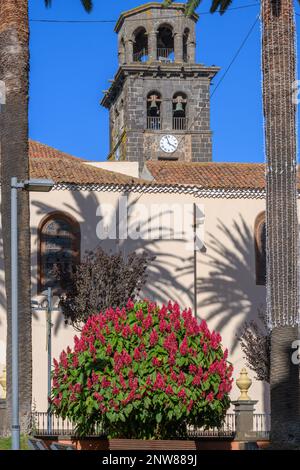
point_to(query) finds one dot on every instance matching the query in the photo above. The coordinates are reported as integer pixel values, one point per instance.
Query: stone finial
(244, 383)
(3, 384)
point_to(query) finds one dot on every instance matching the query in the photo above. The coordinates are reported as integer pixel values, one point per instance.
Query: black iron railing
(60, 427)
(153, 123)
(165, 54)
(180, 123)
(141, 56)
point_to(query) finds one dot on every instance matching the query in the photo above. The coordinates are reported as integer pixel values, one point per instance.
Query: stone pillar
(178, 47)
(244, 409)
(152, 46)
(121, 54)
(191, 51)
(129, 51)
(4, 428)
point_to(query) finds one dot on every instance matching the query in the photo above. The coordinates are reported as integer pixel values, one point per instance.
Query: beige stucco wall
(227, 293)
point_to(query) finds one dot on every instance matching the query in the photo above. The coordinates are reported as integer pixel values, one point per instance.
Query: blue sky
(72, 63)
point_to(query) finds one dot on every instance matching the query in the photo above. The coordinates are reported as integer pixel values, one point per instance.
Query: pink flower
(169, 390)
(156, 362)
(182, 393)
(159, 382)
(192, 369)
(130, 305)
(140, 315)
(89, 383)
(210, 397)
(77, 388)
(137, 330)
(190, 406)
(137, 354)
(105, 383)
(181, 378)
(98, 396)
(126, 331)
(149, 381)
(184, 347)
(163, 325)
(147, 322)
(170, 343)
(153, 337)
(75, 362)
(196, 380)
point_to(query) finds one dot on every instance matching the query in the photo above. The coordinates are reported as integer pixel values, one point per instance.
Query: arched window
(140, 45)
(165, 44)
(154, 110)
(185, 39)
(59, 250)
(260, 249)
(179, 111)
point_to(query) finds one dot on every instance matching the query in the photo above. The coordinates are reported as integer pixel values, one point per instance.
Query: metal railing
(61, 427)
(165, 54)
(262, 424)
(226, 430)
(141, 56)
(180, 123)
(58, 426)
(153, 123)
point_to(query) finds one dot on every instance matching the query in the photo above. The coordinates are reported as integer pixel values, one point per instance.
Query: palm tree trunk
(14, 68)
(279, 74)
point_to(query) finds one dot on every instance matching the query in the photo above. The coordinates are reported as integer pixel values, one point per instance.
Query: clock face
(169, 143)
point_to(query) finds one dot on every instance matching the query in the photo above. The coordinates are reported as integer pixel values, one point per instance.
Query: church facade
(160, 173)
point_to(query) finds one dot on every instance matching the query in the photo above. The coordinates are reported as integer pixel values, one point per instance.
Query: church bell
(179, 107)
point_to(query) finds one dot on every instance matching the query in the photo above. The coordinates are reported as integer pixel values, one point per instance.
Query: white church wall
(227, 293)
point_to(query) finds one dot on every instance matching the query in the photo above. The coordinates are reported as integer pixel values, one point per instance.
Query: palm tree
(14, 72)
(279, 75)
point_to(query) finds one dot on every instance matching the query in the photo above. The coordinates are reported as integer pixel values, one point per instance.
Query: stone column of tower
(159, 101)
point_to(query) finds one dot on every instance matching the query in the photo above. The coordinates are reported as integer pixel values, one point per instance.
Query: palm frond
(169, 2)
(220, 5)
(87, 4)
(191, 6)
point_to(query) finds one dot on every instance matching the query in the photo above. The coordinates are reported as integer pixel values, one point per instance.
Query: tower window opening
(185, 44)
(140, 46)
(180, 112)
(153, 111)
(165, 44)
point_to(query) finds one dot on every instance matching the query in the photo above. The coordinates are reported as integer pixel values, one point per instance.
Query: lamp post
(38, 185)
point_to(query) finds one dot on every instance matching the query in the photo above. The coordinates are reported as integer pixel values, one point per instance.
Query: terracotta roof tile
(209, 175)
(38, 150)
(47, 162)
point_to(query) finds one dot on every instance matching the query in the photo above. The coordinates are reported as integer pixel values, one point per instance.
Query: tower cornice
(156, 71)
(180, 7)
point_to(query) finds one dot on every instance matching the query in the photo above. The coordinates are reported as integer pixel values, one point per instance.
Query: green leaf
(158, 418)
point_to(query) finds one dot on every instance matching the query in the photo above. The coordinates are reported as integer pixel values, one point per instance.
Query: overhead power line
(34, 20)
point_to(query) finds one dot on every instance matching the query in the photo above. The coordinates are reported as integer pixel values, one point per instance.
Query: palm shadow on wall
(160, 278)
(229, 290)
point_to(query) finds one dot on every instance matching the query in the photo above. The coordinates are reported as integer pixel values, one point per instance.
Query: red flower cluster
(145, 356)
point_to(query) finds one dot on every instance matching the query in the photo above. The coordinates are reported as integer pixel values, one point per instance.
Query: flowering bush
(144, 372)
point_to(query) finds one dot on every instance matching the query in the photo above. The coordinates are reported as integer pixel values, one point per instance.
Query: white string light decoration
(279, 75)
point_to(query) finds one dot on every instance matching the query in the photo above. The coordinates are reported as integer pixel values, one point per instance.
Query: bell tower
(159, 100)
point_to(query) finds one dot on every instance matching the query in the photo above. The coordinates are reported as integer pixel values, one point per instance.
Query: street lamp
(39, 185)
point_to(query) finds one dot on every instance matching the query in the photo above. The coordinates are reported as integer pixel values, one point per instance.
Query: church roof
(200, 179)
(47, 162)
(209, 175)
